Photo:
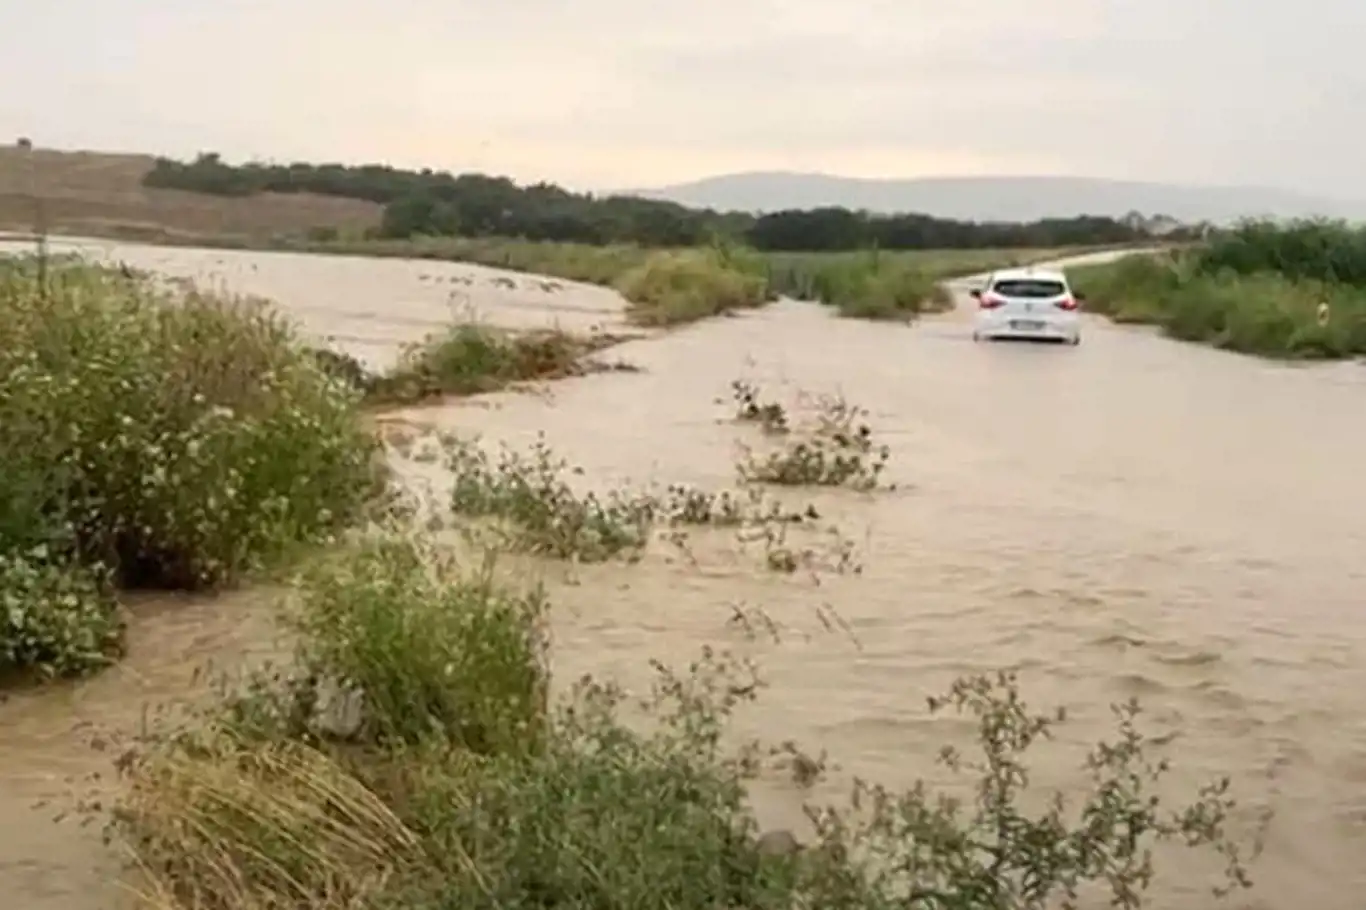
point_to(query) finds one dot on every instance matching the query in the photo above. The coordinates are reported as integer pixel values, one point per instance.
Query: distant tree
(478, 205)
(25, 143)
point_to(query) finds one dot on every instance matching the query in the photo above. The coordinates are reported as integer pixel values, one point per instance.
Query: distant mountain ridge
(1000, 198)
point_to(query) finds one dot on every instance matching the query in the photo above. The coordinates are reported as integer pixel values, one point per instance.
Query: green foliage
(875, 289)
(399, 596)
(1258, 288)
(470, 358)
(673, 288)
(429, 203)
(541, 510)
(572, 805)
(172, 438)
(55, 620)
(836, 450)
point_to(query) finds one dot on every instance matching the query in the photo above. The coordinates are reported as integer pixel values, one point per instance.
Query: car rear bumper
(1052, 328)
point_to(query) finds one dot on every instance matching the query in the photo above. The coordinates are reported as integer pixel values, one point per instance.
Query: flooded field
(1130, 517)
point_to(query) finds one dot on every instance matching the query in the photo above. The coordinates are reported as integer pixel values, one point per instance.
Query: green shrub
(436, 650)
(1227, 295)
(873, 287)
(541, 511)
(168, 437)
(55, 620)
(470, 358)
(671, 288)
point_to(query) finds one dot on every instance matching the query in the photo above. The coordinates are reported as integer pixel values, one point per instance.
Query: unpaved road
(1131, 517)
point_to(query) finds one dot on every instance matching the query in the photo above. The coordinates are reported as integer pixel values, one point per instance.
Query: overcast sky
(612, 93)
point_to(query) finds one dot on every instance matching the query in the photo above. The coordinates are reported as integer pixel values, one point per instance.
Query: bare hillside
(102, 193)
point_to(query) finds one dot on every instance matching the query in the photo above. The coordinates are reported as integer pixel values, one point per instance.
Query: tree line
(437, 203)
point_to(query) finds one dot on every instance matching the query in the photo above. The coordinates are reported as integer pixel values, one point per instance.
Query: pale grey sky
(610, 93)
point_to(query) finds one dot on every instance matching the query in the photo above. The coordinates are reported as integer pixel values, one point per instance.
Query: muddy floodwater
(1130, 517)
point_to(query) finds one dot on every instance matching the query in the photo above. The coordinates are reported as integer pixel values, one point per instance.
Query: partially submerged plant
(837, 451)
(471, 357)
(542, 512)
(751, 408)
(924, 849)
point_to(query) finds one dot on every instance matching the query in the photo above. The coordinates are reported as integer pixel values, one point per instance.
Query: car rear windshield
(1034, 288)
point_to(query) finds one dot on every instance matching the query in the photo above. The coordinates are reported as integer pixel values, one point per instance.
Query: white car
(1033, 304)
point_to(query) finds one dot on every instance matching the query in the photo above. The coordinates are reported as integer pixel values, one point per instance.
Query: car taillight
(989, 302)
(1067, 303)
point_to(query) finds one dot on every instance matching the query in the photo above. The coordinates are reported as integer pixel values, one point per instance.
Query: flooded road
(1130, 517)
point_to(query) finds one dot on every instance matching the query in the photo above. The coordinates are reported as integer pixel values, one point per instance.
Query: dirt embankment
(101, 194)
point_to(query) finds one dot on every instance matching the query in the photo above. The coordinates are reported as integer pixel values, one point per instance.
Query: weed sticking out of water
(685, 505)
(471, 358)
(836, 450)
(672, 288)
(458, 784)
(751, 408)
(531, 505)
(540, 509)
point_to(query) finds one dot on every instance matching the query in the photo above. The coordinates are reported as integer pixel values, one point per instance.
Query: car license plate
(1026, 325)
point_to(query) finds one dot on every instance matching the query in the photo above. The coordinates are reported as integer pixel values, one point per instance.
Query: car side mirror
(975, 293)
(1079, 298)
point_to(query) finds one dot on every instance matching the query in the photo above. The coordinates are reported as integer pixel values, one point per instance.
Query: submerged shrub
(672, 288)
(471, 357)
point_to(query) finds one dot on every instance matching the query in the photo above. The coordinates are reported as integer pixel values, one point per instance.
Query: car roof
(1027, 273)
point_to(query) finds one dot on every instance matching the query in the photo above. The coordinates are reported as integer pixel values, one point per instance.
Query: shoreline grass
(674, 286)
(1288, 291)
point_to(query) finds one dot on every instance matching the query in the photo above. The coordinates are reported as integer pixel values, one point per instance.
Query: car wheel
(1076, 340)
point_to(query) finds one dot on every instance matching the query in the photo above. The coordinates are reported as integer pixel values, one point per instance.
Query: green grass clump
(164, 438)
(471, 358)
(538, 508)
(460, 785)
(1260, 288)
(673, 288)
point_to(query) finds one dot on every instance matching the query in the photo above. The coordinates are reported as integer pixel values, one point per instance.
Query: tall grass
(153, 438)
(672, 288)
(703, 282)
(1295, 290)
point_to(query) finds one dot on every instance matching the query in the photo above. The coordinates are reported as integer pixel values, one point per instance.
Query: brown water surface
(1130, 517)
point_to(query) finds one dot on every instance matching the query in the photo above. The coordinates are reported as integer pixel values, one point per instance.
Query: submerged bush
(471, 357)
(672, 288)
(168, 437)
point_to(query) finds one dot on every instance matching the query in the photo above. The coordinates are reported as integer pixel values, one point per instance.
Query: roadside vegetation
(414, 753)
(153, 437)
(1293, 290)
(675, 264)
